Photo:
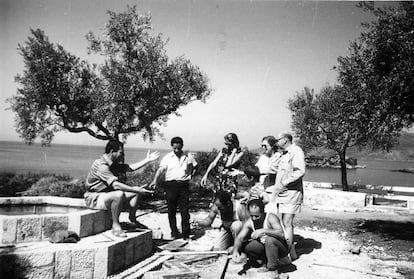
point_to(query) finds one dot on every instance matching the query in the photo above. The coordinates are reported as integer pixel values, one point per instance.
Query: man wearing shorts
(106, 192)
(288, 189)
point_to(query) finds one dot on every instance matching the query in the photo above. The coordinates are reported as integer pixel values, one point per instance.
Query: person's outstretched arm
(157, 176)
(151, 156)
(234, 158)
(133, 189)
(239, 241)
(206, 222)
(210, 167)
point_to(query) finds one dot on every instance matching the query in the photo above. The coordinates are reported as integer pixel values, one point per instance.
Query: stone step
(92, 257)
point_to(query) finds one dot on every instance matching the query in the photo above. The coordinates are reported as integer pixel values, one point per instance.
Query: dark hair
(232, 138)
(252, 171)
(177, 140)
(256, 202)
(112, 145)
(287, 136)
(271, 140)
(223, 196)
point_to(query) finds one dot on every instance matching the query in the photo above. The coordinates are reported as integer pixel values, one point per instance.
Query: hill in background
(403, 151)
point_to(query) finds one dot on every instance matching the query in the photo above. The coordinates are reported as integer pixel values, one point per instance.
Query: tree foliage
(333, 119)
(134, 89)
(379, 71)
(374, 99)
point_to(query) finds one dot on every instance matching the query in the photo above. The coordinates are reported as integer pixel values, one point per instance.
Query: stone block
(29, 229)
(51, 223)
(334, 198)
(37, 259)
(99, 221)
(147, 243)
(11, 266)
(74, 222)
(40, 272)
(102, 264)
(117, 253)
(82, 264)
(63, 261)
(86, 224)
(108, 220)
(8, 230)
(410, 205)
(138, 249)
(129, 252)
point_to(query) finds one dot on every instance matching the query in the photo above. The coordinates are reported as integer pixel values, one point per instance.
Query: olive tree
(134, 90)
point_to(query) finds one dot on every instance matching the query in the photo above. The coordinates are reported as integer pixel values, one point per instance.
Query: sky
(256, 54)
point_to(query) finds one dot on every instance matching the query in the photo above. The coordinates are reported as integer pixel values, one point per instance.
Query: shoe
(284, 261)
(175, 236)
(119, 233)
(139, 225)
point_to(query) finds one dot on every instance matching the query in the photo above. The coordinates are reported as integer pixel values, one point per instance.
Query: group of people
(249, 217)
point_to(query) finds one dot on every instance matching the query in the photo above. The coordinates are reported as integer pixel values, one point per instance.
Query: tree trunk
(342, 161)
(118, 168)
(122, 174)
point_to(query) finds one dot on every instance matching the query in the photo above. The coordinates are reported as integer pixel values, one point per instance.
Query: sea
(75, 160)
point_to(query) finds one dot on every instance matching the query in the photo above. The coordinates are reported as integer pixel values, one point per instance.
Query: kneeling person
(230, 226)
(105, 192)
(261, 238)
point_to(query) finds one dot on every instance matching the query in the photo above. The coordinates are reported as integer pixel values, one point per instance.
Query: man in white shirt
(178, 168)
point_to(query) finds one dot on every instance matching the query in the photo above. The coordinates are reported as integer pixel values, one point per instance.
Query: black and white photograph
(151, 139)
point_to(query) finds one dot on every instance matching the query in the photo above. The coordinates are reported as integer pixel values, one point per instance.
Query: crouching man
(105, 192)
(261, 239)
(223, 205)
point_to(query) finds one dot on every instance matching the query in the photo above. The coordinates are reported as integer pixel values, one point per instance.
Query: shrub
(57, 185)
(11, 184)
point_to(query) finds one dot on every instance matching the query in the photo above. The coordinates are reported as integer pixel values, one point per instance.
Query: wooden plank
(201, 258)
(174, 245)
(140, 268)
(148, 267)
(193, 253)
(355, 270)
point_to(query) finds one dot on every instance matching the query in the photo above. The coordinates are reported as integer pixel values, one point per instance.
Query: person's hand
(152, 156)
(236, 257)
(234, 172)
(258, 233)
(244, 200)
(203, 181)
(143, 189)
(146, 191)
(152, 185)
(194, 223)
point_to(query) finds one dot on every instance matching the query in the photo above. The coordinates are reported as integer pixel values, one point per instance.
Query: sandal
(119, 233)
(139, 225)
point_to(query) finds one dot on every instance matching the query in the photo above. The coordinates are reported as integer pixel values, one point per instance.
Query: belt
(177, 181)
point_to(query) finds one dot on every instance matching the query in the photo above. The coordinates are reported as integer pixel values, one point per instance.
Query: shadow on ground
(388, 229)
(305, 245)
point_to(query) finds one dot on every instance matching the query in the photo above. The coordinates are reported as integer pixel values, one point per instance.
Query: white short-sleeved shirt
(179, 169)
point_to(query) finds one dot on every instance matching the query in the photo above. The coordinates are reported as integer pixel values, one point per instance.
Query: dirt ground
(330, 244)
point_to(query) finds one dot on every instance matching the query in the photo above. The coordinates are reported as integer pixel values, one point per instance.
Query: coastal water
(75, 160)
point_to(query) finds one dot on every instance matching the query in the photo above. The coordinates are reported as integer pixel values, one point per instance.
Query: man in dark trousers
(262, 239)
(178, 168)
